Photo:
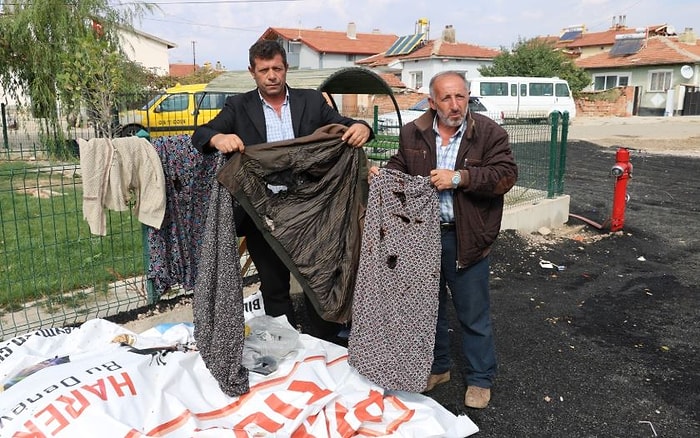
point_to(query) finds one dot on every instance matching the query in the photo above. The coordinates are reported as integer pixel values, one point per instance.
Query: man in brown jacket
(468, 159)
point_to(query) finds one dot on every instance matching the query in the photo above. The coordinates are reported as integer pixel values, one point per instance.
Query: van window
(514, 90)
(175, 102)
(561, 90)
(523, 90)
(543, 89)
(210, 101)
(493, 89)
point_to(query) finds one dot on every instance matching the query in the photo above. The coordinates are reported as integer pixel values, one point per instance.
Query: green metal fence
(539, 150)
(53, 272)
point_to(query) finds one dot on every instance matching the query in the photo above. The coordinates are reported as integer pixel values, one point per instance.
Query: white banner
(103, 380)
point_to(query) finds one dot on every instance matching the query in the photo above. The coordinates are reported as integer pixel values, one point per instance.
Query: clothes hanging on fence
(395, 304)
(174, 247)
(218, 297)
(117, 172)
(307, 196)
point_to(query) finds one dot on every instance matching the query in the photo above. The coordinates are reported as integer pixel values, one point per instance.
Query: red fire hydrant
(622, 171)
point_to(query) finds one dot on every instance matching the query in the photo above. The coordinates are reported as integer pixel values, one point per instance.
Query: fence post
(551, 180)
(375, 119)
(5, 140)
(562, 152)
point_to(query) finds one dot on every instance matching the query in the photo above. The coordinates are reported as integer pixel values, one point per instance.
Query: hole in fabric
(401, 196)
(404, 219)
(391, 261)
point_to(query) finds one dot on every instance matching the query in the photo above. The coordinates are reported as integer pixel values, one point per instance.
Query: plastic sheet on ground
(103, 379)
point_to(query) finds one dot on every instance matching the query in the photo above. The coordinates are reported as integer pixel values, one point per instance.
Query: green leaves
(537, 58)
(65, 55)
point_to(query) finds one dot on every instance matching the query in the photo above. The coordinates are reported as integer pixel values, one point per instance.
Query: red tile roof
(180, 70)
(392, 80)
(658, 50)
(325, 41)
(435, 49)
(607, 37)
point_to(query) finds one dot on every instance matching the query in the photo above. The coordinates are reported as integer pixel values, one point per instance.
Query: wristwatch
(456, 179)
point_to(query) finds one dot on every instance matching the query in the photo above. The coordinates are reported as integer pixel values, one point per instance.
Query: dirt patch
(609, 345)
(675, 146)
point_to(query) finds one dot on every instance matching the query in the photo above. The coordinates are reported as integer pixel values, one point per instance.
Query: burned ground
(609, 346)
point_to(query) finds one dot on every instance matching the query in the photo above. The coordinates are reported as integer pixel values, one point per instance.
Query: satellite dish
(687, 71)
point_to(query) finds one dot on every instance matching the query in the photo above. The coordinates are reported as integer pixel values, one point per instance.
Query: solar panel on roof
(628, 46)
(405, 44)
(571, 35)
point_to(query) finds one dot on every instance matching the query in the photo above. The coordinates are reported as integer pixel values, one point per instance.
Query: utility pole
(194, 58)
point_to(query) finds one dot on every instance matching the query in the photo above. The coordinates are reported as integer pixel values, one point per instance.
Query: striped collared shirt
(279, 127)
(446, 159)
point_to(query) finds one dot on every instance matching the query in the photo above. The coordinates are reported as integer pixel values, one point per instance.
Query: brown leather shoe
(436, 379)
(476, 397)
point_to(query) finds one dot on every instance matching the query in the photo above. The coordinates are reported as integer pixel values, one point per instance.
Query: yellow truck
(178, 110)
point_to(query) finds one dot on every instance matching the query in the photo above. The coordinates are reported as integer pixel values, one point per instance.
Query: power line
(206, 2)
(192, 23)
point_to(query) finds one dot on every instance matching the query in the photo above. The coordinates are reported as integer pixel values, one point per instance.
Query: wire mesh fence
(54, 272)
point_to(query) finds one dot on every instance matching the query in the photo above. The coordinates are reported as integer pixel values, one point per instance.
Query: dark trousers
(274, 286)
(469, 289)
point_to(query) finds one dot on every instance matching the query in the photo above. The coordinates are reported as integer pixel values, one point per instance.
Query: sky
(223, 30)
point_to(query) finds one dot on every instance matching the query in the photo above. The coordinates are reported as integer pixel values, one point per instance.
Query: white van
(525, 97)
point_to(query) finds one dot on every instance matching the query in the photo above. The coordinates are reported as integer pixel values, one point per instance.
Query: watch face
(456, 178)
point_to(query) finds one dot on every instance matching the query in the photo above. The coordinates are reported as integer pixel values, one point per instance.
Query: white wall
(430, 67)
(150, 53)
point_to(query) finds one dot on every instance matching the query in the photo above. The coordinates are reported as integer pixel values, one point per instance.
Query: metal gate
(691, 102)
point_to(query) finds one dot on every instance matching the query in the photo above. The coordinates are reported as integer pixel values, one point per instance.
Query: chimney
(448, 34)
(352, 30)
(688, 36)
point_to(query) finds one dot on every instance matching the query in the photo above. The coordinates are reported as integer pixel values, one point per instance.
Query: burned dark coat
(307, 196)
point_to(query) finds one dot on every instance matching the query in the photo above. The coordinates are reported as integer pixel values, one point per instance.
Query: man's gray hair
(446, 73)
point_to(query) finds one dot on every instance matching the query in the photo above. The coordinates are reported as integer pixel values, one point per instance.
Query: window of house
(294, 47)
(660, 80)
(604, 82)
(417, 79)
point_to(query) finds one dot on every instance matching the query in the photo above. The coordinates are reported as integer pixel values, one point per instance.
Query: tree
(62, 55)
(537, 58)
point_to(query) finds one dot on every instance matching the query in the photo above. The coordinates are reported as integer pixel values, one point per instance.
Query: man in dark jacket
(274, 112)
(468, 159)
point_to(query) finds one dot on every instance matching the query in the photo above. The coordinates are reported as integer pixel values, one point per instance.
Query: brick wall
(613, 102)
(382, 101)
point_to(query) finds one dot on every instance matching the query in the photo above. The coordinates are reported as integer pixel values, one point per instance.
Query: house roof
(345, 80)
(658, 50)
(606, 37)
(434, 49)
(180, 70)
(168, 44)
(326, 41)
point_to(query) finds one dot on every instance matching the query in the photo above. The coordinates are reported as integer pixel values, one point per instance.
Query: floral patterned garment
(175, 246)
(395, 306)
